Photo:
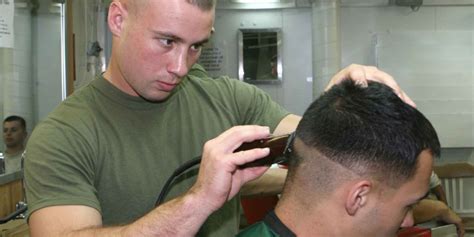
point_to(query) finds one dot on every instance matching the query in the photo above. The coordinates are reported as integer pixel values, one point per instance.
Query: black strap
(272, 220)
(181, 169)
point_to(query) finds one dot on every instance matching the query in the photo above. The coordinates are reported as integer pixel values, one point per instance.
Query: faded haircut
(368, 130)
(135, 6)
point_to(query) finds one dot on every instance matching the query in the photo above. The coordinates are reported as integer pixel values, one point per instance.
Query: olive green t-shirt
(111, 151)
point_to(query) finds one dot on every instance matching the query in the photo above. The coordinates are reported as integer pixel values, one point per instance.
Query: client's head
(361, 159)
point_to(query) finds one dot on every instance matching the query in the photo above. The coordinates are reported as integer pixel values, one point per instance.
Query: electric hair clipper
(280, 147)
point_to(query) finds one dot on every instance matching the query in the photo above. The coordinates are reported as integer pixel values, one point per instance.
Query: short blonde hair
(204, 5)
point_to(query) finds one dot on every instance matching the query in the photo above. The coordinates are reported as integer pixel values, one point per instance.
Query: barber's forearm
(287, 125)
(182, 216)
(96, 232)
(271, 183)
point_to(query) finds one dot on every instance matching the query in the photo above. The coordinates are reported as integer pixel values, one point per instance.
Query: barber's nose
(408, 220)
(179, 63)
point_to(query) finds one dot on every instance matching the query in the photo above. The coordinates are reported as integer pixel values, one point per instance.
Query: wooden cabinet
(10, 194)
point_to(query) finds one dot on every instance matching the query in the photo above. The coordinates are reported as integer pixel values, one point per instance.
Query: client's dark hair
(368, 130)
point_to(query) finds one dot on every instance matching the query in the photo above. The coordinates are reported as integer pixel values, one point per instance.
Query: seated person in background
(14, 136)
(429, 209)
(436, 188)
(361, 159)
(435, 207)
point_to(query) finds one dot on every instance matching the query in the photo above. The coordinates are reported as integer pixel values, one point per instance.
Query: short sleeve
(434, 180)
(59, 169)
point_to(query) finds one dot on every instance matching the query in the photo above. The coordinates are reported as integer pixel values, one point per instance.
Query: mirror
(260, 56)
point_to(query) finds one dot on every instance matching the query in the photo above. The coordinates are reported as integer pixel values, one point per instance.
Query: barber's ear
(358, 196)
(116, 17)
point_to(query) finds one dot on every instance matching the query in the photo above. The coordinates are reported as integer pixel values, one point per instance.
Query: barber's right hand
(220, 177)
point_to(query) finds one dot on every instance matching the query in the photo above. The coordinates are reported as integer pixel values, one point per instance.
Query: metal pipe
(64, 81)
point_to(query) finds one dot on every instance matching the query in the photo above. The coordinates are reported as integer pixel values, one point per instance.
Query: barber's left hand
(361, 74)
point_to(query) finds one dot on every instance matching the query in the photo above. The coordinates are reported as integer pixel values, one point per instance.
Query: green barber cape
(271, 226)
(259, 229)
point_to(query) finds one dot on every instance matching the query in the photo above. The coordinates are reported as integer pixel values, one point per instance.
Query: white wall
(359, 24)
(47, 70)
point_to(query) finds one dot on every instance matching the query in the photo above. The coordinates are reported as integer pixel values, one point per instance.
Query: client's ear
(357, 196)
